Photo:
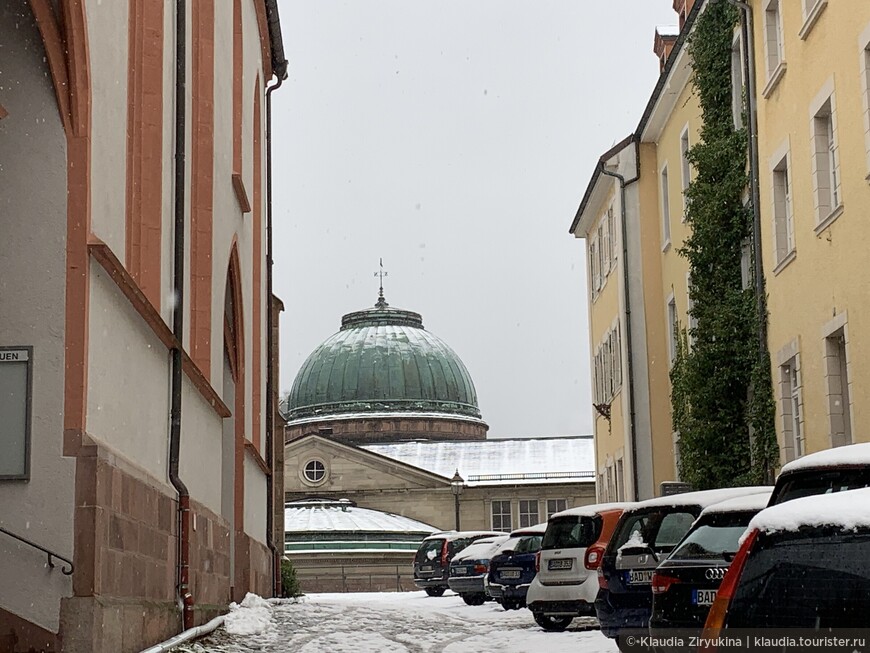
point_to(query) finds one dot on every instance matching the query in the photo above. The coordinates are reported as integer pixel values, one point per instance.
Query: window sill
(791, 256)
(666, 245)
(774, 80)
(827, 222)
(812, 18)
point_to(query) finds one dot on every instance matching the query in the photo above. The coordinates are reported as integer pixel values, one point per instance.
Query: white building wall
(33, 187)
(200, 451)
(108, 70)
(255, 500)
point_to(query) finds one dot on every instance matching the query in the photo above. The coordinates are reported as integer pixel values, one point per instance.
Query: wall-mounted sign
(16, 376)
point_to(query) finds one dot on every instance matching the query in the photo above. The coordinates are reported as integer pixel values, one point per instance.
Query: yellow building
(632, 217)
(812, 74)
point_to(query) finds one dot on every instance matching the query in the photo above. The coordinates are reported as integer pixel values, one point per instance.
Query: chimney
(665, 38)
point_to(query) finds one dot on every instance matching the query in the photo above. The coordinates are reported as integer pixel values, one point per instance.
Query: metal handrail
(49, 553)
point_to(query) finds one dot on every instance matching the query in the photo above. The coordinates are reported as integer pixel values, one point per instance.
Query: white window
(666, 210)
(839, 395)
(783, 216)
(595, 268)
(792, 409)
(772, 38)
(685, 167)
(529, 515)
(613, 239)
(672, 330)
(603, 251)
(826, 161)
(812, 10)
(314, 471)
(502, 519)
(737, 81)
(556, 505)
(607, 366)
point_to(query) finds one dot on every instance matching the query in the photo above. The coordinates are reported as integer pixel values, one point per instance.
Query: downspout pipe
(183, 594)
(632, 422)
(281, 74)
(747, 31)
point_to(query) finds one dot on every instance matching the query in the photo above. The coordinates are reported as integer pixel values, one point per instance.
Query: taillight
(719, 610)
(593, 557)
(661, 583)
(602, 581)
(444, 560)
(537, 562)
(480, 569)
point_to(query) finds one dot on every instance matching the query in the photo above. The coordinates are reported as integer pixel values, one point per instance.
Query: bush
(289, 582)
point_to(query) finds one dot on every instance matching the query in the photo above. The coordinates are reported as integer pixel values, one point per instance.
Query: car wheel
(435, 591)
(511, 605)
(552, 624)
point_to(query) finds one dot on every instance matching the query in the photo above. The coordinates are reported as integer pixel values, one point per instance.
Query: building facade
(134, 339)
(813, 79)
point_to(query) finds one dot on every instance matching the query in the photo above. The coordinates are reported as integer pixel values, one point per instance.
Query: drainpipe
(747, 31)
(632, 426)
(184, 597)
(281, 74)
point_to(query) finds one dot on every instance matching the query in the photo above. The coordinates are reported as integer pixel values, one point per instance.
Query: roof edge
(599, 167)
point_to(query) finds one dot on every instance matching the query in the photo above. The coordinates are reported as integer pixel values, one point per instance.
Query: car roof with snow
(852, 455)
(702, 498)
(846, 510)
(451, 536)
(482, 549)
(743, 503)
(593, 509)
(537, 529)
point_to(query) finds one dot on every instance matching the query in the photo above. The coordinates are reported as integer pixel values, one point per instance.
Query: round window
(314, 471)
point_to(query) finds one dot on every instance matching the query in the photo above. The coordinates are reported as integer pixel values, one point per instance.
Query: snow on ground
(409, 622)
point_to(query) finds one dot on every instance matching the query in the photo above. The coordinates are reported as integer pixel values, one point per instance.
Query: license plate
(639, 577)
(461, 571)
(510, 573)
(561, 563)
(703, 597)
(426, 567)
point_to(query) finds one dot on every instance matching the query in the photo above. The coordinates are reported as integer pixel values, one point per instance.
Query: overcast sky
(455, 138)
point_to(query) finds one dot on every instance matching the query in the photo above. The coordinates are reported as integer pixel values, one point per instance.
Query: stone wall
(388, 429)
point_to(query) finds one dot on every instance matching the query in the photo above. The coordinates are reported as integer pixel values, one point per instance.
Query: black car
(512, 568)
(832, 470)
(432, 560)
(684, 585)
(469, 568)
(644, 535)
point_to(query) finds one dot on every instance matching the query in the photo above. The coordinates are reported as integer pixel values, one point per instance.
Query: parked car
(684, 585)
(432, 560)
(469, 568)
(804, 564)
(571, 550)
(645, 534)
(831, 470)
(512, 568)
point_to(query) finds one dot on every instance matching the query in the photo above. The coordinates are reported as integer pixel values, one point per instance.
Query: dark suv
(805, 565)
(643, 537)
(824, 472)
(432, 560)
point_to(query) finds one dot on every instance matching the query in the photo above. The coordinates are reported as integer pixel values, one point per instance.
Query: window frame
(501, 514)
(528, 514)
(827, 178)
(774, 46)
(549, 512)
(782, 189)
(323, 471)
(685, 169)
(665, 207)
(672, 320)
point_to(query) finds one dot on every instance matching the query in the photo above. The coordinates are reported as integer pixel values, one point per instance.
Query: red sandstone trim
(253, 453)
(145, 147)
(237, 350)
(238, 75)
(265, 41)
(46, 21)
(241, 193)
(103, 254)
(3, 112)
(202, 184)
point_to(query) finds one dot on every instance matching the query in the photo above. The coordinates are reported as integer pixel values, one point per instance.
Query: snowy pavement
(409, 622)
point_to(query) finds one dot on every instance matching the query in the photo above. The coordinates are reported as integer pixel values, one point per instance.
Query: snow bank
(846, 510)
(741, 504)
(853, 455)
(253, 616)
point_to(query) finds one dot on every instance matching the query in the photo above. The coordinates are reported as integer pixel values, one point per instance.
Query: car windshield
(657, 529)
(571, 532)
(528, 544)
(811, 482)
(817, 580)
(429, 551)
(715, 538)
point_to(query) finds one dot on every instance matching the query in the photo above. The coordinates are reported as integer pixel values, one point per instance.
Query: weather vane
(382, 303)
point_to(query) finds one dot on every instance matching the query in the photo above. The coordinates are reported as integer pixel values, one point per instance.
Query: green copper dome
(382, 361)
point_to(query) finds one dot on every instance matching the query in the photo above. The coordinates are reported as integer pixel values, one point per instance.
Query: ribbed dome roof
(382, 360)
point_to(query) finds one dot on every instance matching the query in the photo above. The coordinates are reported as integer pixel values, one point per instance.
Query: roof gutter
(632, 422)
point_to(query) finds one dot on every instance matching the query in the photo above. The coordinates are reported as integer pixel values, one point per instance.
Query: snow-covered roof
(702, 498)
(593, 509)
(847, 510)
(500, 461)
(482, 549)
(668, 30)
(450, 536)
(740, 504)
(537, 529)
(851, 456)
(334, 516)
